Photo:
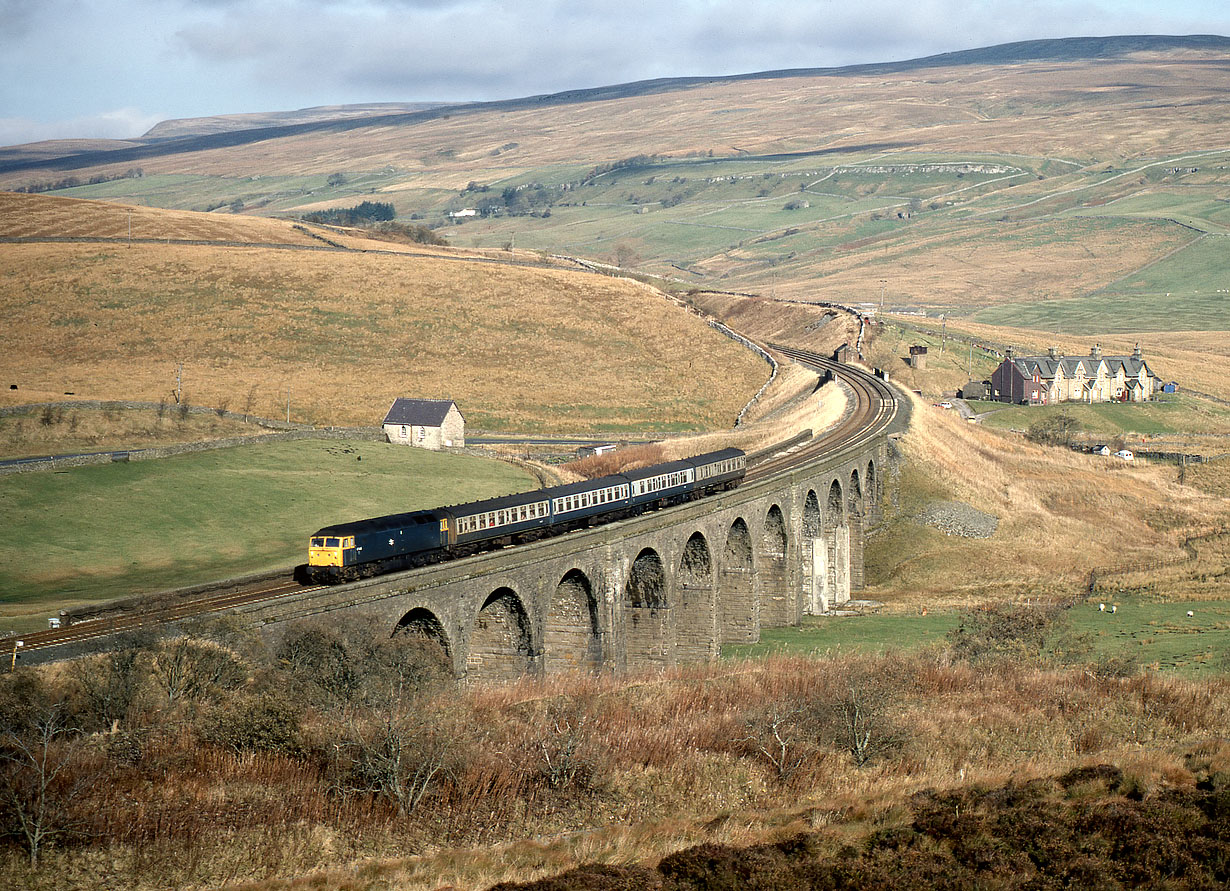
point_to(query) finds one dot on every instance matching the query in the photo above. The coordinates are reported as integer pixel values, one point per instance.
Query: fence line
(278, 431)
(1188, 545)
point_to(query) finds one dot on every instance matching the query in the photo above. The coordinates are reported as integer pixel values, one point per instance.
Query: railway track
(874, 410)
(157, 613)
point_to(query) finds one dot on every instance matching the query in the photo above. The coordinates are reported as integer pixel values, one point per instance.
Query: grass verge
(100, 532)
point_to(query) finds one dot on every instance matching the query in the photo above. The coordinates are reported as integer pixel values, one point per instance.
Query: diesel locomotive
(349, 551)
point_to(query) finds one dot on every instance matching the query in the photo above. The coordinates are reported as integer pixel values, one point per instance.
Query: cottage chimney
(1053, 352)
(1136, 354)
(1008, 353)
(1096, 352)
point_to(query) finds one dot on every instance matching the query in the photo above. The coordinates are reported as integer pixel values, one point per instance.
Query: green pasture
(1152, 634)
(1187, 291)
(101, 532)
(1156, 633)
(1200, 210)
(849, 634)
(268, 193)
(1172, 414)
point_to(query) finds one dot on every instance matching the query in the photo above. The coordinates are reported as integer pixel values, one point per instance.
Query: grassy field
(1171, 415)
(96, 533)
(869, 634)
(1150, 632)
(1157, 633)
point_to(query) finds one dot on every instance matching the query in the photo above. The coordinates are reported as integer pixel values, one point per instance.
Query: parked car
(1124, 454)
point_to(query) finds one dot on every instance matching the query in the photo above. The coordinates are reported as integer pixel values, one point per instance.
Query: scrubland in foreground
(193, 762)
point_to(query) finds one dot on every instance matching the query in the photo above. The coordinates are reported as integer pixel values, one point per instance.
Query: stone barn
(426, 423)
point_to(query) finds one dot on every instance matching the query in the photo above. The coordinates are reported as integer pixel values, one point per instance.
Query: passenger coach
(349, 551)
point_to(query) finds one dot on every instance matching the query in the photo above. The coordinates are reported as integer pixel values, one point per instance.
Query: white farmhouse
(426, 423)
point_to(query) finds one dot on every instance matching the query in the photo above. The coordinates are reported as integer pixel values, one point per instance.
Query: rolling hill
(267, 319)
(1047, 170)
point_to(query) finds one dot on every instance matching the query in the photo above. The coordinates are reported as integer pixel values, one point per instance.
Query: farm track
(874, 411)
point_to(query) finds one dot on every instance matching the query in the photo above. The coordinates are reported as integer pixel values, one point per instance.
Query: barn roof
(418, 412)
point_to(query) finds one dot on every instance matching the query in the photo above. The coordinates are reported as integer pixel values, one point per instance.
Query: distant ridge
(226, 123)
(1071, 49)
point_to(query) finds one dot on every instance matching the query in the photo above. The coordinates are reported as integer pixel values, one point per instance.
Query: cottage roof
(418, 412)
(1048, 366)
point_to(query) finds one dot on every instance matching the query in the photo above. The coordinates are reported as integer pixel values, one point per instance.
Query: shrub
(626, 458)
(1003, 630)
(1056, 429)
(264, 722)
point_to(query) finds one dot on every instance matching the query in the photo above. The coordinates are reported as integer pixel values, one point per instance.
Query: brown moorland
(346, 332)
(268, 772)
(1060, 109)
(1095, 130)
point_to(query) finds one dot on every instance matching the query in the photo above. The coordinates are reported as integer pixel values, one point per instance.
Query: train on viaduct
(650, 592)
(653, 591)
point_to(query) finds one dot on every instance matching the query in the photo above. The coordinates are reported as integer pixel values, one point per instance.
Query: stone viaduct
(668, 587)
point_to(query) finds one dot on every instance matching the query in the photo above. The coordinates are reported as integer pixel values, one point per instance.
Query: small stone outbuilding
(974, 390)
(426, 423)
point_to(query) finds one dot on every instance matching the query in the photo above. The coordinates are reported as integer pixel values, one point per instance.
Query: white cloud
(64, 59)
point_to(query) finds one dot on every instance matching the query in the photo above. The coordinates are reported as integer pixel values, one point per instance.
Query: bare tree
(40, 777)
(568, 748)
(778, 733)
(860, 725)
(399, 756)
(861, 719)
(188, 668)
(109, 685)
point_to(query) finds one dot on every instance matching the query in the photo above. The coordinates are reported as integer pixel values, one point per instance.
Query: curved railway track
(874, 410)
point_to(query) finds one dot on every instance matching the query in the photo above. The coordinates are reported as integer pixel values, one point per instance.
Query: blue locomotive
(348, 551)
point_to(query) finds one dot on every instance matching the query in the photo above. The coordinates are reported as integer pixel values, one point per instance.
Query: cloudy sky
(114, 68)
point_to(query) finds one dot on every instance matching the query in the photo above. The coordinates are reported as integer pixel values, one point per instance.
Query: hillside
(1047, 185)
(263, 324)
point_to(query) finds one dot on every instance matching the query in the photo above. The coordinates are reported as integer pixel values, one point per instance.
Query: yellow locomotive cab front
(328, 550)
